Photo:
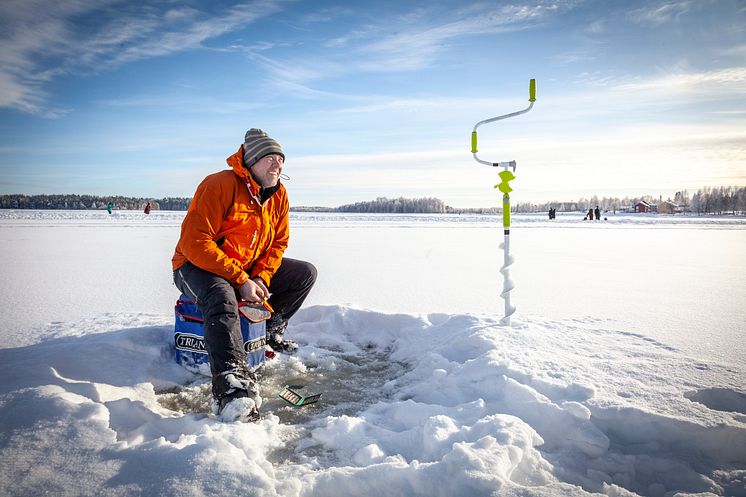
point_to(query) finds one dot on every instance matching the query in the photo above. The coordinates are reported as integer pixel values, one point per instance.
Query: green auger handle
(532, 99)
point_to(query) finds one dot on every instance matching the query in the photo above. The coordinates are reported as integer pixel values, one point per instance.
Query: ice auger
(506, 176)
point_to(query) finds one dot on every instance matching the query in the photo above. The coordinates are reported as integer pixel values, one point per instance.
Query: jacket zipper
(261, 222)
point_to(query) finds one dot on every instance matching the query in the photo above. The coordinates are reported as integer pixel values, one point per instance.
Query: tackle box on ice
(292, 395)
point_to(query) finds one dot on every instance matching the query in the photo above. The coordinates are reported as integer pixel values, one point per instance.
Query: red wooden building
(643, 206)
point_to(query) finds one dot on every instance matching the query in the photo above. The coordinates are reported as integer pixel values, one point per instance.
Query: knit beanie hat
(256, 145)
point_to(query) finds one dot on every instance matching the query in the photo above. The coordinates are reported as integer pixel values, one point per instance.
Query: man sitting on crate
(231, 248)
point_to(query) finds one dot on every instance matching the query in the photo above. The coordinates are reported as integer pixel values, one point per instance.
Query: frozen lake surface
(679, 280)
(622, 373)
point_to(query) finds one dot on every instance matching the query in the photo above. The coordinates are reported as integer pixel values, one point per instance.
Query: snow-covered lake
(679, 280)
(621, 375)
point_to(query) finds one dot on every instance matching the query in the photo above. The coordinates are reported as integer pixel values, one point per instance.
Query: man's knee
(309, 273)
(294, 275)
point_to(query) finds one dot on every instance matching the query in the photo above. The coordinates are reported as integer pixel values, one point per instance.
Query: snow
(424, 391)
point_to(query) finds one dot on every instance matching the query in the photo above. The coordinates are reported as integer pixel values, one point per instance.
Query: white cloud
(438, 104)
(415, 47)
(44, 39)
(662, 13)
(403, 43)
(574, 57)
(711, 83)
(596, 27)
(298, 71)
(327, 15)
(735, 51)
(674, 90)
(197, 105)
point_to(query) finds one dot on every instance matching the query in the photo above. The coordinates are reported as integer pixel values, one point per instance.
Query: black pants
(289, 287)
(218, 301)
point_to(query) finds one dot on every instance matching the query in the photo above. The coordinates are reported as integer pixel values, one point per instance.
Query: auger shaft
(507, 282)
(504, 186)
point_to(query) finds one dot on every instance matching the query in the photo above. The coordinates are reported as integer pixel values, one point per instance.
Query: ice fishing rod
(506, 176)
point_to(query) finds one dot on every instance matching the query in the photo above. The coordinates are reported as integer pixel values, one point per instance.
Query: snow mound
(436, 405)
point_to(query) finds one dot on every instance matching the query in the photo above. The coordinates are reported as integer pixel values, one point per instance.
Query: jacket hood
(236, 163)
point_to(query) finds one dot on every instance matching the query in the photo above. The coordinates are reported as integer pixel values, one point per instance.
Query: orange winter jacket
(228, 231)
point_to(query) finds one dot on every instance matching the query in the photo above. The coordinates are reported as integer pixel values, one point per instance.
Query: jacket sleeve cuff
(242, 278)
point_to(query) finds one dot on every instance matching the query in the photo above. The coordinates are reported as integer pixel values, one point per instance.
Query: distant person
(110, 207)
(598, 214)
(590, 214)
(231, 248)
(550, 213)
(147, 208)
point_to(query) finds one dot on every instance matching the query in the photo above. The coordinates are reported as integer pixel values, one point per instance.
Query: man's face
(267, 170)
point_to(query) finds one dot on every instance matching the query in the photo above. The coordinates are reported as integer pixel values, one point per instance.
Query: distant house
(668, 207)
(643, 206)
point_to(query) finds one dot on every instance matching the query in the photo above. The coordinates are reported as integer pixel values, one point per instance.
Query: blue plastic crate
(189, 338)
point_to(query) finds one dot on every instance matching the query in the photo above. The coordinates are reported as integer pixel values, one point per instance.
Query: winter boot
(276, 339)
(238, 407)
(241, 402)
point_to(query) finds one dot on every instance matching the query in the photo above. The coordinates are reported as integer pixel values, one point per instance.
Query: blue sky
(374, 99)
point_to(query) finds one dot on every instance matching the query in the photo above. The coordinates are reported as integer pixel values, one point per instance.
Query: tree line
(708, 200)
(428, 205)
(91, 202)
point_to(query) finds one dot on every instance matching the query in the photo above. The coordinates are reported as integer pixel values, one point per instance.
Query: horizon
(379, 100)
(630, 202)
